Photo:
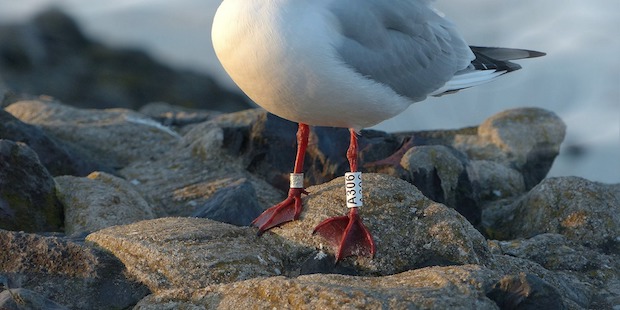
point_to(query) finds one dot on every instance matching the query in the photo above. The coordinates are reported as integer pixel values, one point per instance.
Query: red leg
(289, 209)
(348, 233)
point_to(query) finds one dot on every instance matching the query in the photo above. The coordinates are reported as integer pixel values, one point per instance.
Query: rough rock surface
(584, 211)
(427, 288)
(527, 138)
(59, 157)
(66, 272)
(98, 201)
(410, 230)
(556, 242)
(21, 298)
(235, 204)
(188, 252)
(115, 137)
(27, 191)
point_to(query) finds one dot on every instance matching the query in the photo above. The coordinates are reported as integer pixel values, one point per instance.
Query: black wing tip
(534, 54)
(503, 53)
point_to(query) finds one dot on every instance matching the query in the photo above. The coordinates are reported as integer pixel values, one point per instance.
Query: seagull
(349, 64)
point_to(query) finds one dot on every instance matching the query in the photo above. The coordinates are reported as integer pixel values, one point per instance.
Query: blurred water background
(579, 79)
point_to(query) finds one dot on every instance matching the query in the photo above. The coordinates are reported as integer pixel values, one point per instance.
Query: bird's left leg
(289, 209)
(348, 233)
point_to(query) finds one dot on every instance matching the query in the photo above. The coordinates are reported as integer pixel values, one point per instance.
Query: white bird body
(306, 62)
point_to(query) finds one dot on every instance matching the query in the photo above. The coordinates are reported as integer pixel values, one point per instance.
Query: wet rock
(525, 291)
(527, 139)
(115, 137)
(234, 204)
(58, 157)
(67, 272)
(410, 231)
(427, 288)
(28, 199)
(98, 201)
(583, 211)
(189, 252)
(50, 55)
(20, 299)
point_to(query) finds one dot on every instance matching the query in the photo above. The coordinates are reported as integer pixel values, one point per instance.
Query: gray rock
(555, 252)
(525, 292)
(98, 201)
(190, 252)
(527, 139)
(69, 273)
(575, 293)
(583, 211)
(172, 115)
(28, 199)
(410, 231)
(234, 204)
(455, 287)
(50, 55)
(495, 181)
(266, 145)
(182, 180)
(57, 156)
(441, 174)
(115, 137)
(24, 299)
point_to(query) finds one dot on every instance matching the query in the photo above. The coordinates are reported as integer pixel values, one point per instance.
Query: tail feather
(490, 62)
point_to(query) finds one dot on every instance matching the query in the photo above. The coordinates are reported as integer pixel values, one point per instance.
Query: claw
(348, 234)
(286, 211)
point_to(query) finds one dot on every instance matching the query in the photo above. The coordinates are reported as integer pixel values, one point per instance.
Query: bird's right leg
(289, 209)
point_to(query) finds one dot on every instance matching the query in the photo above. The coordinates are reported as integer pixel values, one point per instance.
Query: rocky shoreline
(148, 209)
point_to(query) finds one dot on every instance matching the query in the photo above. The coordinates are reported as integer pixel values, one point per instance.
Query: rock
(67, 272)
(99, 201)
(527, 139)
(454, 287)
(585, 212)
(525, 291)
(441, 174)
(188, 252)
(267, 144)
(28, 200)
(58, 157)
(575, 293)
(495, 181)
(410, 231)
(114, 137)
(555, 252)
(172, 115)
(234, 204)
(50, 55)
(20, 299)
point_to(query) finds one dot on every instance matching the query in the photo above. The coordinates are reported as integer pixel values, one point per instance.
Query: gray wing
(404, 44)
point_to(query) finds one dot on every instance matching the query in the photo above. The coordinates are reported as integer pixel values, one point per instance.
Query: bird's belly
(292, 69)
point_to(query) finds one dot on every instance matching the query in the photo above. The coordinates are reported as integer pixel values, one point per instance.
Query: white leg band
(353, 188)
(297, 180)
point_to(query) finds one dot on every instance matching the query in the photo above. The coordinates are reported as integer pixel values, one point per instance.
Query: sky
(579, 79)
